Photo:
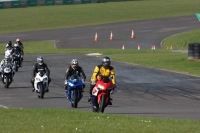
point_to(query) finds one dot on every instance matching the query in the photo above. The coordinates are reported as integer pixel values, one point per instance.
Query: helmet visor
(74, 65)
(40, 62)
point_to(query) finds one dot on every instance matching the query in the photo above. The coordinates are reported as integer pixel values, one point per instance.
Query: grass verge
(62, 16)
(163, 59)
(181, 41)
(63, 121)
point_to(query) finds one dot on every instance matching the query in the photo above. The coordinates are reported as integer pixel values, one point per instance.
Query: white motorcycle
(7, 74)
(41, 83)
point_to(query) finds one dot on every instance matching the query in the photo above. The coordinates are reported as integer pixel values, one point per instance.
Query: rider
(104, 70)
(7, 60)
(40, 65)
(9, 48)
(18, 41)
(17, 49)
(74, 68)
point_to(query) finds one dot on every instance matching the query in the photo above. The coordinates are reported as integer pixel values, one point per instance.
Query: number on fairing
(95, 91)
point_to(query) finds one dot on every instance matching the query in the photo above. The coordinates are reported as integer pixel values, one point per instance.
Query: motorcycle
(41, 83)
(74, 90)
(7, 74)
(100, 92)
(15, 58)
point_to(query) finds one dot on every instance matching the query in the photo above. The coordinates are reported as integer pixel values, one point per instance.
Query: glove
(114, 86)
(65, 82)
(93, 82)
(112, 92)
(83, 81)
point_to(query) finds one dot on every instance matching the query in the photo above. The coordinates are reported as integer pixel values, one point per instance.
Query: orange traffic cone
(151, 47)
(171, 47)
(96, 38)
(122, 46)
(138, 46)
(111, 36)
(154, 46)
(182, 47)
(132, 35)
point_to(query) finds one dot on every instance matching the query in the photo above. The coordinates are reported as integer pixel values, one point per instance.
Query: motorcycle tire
(7, 82)
(42, 91)
(16, 67)
(102, 103)
(75, 99)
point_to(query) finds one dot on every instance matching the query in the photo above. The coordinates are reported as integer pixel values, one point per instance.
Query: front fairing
(74, 85)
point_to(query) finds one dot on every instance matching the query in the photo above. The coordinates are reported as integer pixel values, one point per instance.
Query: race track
(141, 91)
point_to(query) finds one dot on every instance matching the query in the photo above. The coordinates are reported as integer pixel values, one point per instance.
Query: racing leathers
(36, 69)
(103, 71)
(3, 62)
(78, 70)
(22, 49)
(17, 51)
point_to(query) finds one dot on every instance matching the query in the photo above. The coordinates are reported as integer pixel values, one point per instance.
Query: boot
(90, 98)
(33, 89)
(47, 90)
(109, 102)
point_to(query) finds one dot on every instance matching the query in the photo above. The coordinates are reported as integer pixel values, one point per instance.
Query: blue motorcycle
(74, 90)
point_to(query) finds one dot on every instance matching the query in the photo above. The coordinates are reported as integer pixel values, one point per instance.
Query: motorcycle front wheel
(102, 103)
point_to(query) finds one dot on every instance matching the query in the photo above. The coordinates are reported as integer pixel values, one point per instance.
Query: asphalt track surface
(141, 91)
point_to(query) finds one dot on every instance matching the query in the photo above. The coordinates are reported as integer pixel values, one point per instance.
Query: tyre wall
(194, 51)
(28, 3)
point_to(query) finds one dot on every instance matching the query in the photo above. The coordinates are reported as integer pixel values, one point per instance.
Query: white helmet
(7, 57)
(74, 63)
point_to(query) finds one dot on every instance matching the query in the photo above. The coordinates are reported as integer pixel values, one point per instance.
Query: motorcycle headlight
(38, 79)
(100, 87)
(70, 84)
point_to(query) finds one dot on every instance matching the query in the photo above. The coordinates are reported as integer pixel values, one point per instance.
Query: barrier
(194, 51)
(67, 2)
(49, 2)
(28, 3)
(77, 1)
(1, 5)
(31, 3)
(23, 3)
(40, 2)
(58, 2)
(7, 4)
(15, 4)
(86, 1)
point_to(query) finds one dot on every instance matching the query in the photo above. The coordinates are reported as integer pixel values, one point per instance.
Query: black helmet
(106, 61)
(9, 43)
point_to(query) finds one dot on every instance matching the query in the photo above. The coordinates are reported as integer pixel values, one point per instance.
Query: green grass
(182, 40)
(68, 121)
(162, 59)
(50, 17)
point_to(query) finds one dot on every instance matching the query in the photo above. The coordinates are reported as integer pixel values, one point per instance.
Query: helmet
(7, 58)
(74, 63)
(40, 60)
(106, 61)
(9, 43)
(16, 45)
(17, 40)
